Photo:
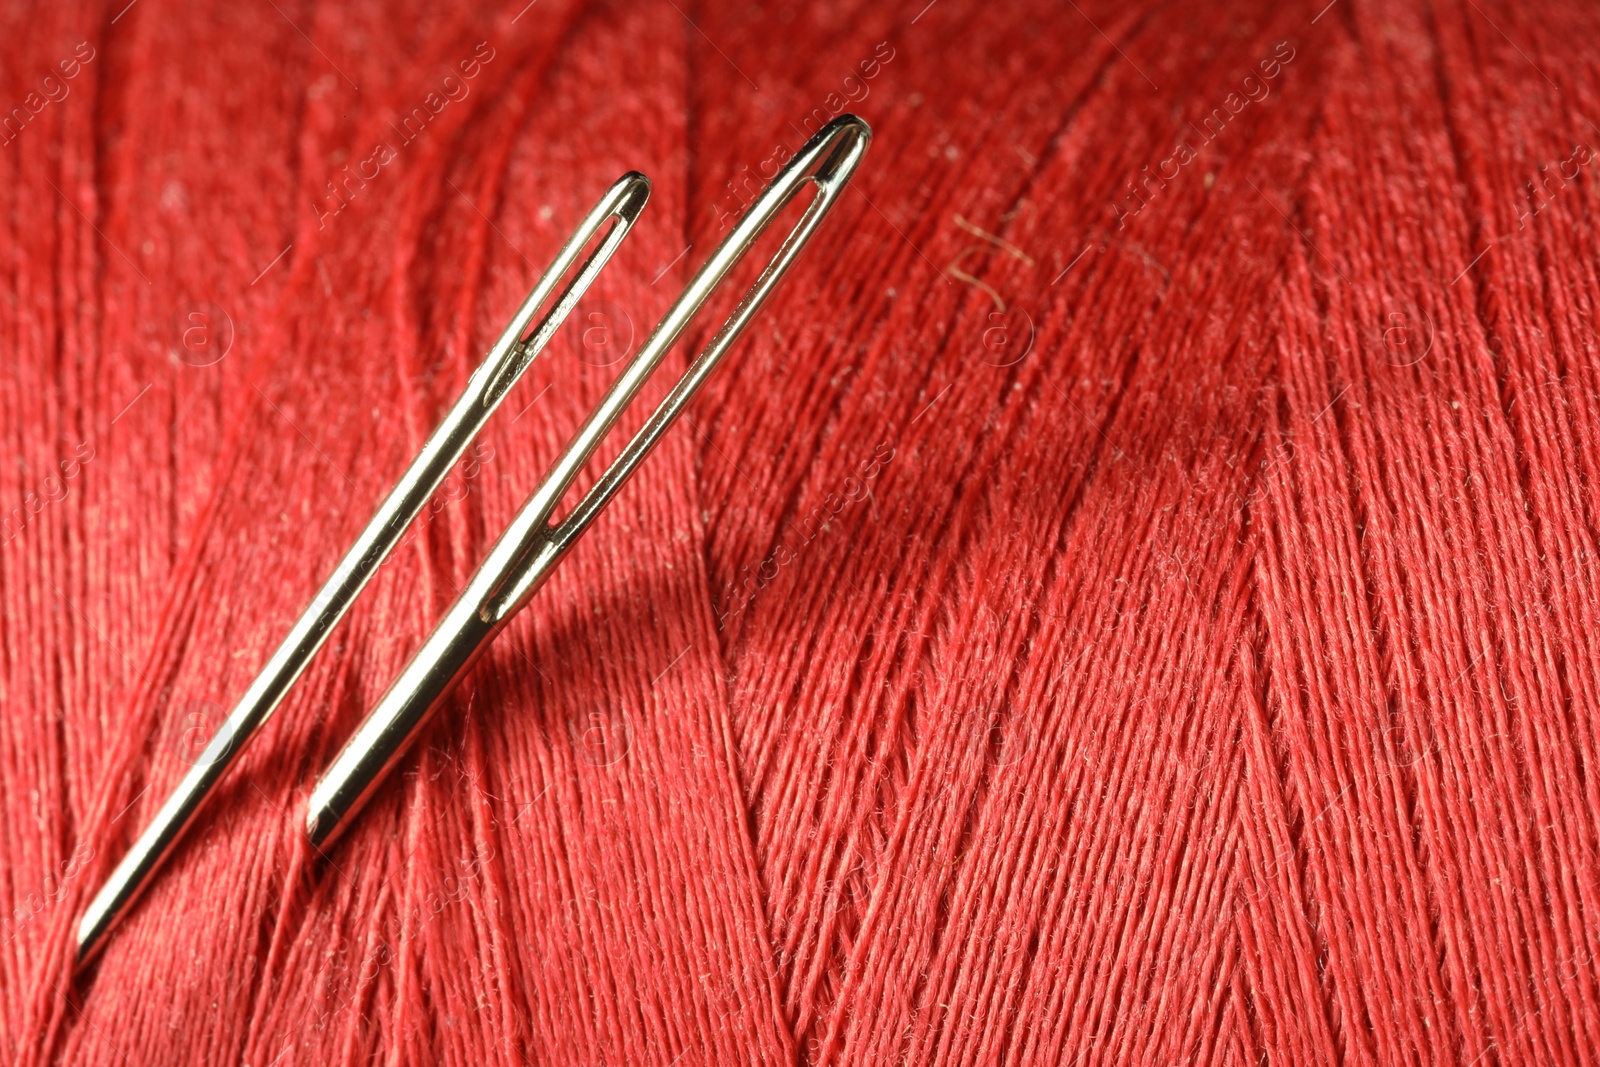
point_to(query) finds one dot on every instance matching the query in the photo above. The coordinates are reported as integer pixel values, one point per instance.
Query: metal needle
(499, 371)
(529, 549)
(533, 545)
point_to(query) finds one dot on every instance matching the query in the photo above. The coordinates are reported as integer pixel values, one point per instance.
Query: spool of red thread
(1130, 602)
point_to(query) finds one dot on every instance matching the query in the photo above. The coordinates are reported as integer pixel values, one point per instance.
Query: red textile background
(1130, 599)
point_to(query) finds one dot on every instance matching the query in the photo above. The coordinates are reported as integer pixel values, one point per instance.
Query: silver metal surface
(501, 368)
(532, 546)
(529, 549)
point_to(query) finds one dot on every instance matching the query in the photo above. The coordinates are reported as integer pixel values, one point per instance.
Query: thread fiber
(1130, 599)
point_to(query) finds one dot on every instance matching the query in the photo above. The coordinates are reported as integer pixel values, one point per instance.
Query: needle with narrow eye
(534, 543)
(499, 371)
